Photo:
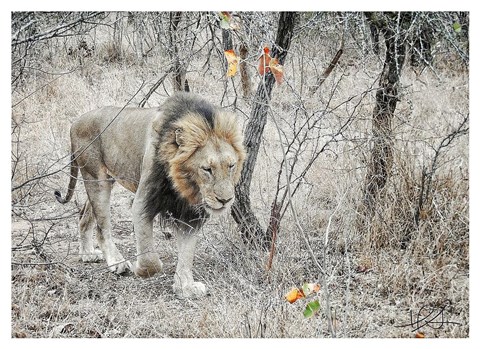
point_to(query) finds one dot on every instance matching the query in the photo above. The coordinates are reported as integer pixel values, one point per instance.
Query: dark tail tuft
(71, 184)
(59, 198)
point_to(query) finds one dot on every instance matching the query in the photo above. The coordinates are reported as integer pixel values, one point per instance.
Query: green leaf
(311, 309)
(224, 20)
(457, 27)
(224, 24)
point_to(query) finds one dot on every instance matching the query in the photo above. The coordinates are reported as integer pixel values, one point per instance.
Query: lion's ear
(179, 137)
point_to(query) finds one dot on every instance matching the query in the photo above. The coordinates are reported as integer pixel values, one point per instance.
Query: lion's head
(203, 147)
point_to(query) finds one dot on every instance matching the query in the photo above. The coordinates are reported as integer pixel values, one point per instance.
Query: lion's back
(112, 120)
(116, 137)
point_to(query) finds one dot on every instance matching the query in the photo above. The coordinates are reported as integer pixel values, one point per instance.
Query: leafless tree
(241, 211)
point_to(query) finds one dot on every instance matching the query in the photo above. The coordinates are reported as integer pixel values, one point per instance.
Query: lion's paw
(147, 267)
(120, 267)
(92, 257)
(193, 290)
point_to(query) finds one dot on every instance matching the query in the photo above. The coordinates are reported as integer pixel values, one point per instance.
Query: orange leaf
(226, 14)
(263, 65)
(419, 335)
(232, 60)
(277, 70)
(294, 295)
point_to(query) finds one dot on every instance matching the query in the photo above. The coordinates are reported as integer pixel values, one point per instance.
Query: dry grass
(370, 284)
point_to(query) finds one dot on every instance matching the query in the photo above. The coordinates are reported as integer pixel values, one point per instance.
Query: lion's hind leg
(98, 191)
(88, 252)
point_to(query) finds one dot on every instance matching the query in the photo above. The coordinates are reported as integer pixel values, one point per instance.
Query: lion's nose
(224, 201)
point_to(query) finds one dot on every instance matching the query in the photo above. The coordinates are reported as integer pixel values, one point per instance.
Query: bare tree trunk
(117, 48)
(375, 38)
(180, 82)
(245, 77)
(390, 25)
(252, 231)
(227, 40)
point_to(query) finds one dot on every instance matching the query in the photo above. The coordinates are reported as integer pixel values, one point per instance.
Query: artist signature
(432, 317)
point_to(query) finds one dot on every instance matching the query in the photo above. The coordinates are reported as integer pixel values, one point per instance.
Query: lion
(182, 162)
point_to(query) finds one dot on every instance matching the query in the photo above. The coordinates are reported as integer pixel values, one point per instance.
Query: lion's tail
(71, 185)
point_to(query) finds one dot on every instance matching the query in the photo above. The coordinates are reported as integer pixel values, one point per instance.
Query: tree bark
(391, 26)
(252, 231)
(375, 38)
(245, 77)
(180, 82)
(227, 40)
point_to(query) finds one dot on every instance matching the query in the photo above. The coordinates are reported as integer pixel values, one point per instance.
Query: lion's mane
(171, 189)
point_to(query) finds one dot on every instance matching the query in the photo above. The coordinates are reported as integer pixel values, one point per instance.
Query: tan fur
(193, 134)
(127, 146)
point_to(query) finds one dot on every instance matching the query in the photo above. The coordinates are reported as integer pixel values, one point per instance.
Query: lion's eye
(231, 166)
(207, 170)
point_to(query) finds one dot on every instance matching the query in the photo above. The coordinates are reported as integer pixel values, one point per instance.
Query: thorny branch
(58, 31)
(427, 175)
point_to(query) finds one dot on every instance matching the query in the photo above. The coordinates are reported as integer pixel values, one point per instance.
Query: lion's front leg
(184, 286)
(148, 263)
